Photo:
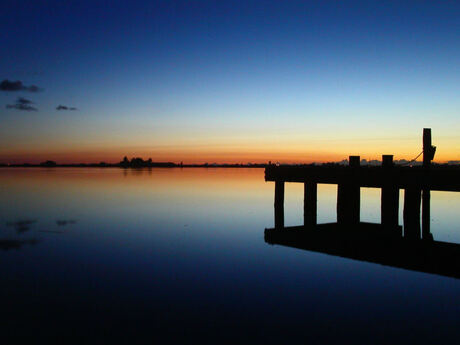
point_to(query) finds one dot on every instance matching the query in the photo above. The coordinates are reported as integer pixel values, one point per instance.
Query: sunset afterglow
(219, 82)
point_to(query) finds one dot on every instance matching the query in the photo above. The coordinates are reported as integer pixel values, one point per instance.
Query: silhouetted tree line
(48, 164)
(138, 162)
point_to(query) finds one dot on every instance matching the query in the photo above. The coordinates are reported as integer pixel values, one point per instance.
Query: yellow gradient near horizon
(259, 150)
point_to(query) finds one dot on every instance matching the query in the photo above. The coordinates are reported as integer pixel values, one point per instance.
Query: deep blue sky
(240, 80)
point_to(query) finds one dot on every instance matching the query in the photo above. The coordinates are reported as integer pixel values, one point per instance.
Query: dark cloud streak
(64, 107)
(21, 225)
(23, 100)
(7, 85)
(22, 104)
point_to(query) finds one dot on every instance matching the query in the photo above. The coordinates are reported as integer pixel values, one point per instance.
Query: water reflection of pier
(371, 243)
(417, 183)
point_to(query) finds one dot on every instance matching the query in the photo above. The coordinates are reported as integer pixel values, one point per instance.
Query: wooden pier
(417, 183)
(384, 242)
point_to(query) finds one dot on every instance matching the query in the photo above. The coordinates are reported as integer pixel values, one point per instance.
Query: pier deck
(435, 178)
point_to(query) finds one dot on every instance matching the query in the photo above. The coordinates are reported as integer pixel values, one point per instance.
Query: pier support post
(412, 199)
(428, 155)
(426, 196)
(279, 204)
(428, 149)
(348, 196)
(310, 204)
(389, 197)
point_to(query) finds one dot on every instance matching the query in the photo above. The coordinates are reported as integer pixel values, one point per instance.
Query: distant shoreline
(137, 163)
(205, 165)
(136, 167)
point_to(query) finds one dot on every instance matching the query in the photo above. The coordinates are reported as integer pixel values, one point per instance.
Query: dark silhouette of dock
(411, 246)
(417, 183)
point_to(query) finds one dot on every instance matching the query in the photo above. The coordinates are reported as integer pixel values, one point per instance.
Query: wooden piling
(279, 204)
(428, 150)
(428, 155)
(426, 196)
(354, 161)
(348, 196)
(310, 204)
(389, 197)
(387, 161)
(412, 199)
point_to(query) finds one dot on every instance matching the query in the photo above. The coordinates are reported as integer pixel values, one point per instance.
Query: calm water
(178, 255)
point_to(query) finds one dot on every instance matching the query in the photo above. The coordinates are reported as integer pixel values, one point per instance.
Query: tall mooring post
(413, 196)
(348, 195)
(428, 155)
(389, 196)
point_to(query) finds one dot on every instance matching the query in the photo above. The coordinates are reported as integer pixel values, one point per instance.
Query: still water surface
(178, 255)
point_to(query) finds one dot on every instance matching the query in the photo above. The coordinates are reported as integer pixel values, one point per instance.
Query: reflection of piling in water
(371, 243)
(417, 183)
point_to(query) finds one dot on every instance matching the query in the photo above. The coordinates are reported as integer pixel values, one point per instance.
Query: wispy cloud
(63, 222)
(8, 244)
(22, 104)
(22, 225)
(7, 85)
(64, 107)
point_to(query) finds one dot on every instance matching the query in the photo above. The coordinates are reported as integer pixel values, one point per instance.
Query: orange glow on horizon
(206, 157)
(289, 150)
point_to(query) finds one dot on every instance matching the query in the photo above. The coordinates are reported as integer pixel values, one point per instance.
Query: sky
(228, 81)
